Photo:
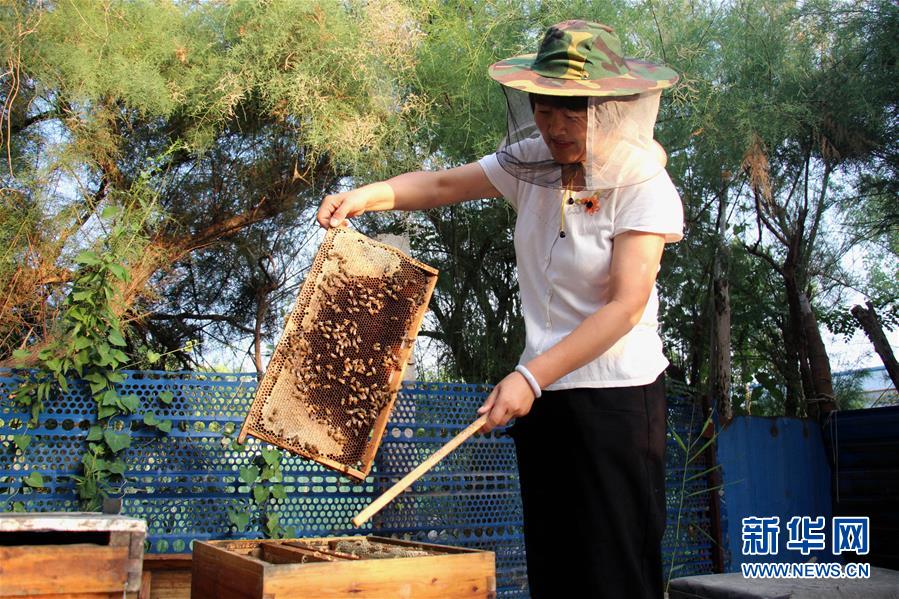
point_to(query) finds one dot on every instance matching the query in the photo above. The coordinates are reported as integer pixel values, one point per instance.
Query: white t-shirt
(563, 280)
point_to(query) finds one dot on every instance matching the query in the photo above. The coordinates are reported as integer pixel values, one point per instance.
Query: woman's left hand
(510, 398)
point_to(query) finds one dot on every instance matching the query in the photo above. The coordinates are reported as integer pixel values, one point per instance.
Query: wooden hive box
(166, 576)
(340, 567)
(77, 555)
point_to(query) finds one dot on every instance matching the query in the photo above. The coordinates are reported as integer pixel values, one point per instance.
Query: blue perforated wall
(185, 482)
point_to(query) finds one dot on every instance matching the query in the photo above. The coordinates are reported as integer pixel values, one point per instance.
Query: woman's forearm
(409, 191)
(592, 338)
(422, 190)
(419, 190)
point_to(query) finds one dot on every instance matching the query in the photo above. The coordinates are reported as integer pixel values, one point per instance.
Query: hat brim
(642, 77)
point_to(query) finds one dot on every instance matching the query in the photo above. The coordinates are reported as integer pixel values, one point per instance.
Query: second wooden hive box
(340, 567)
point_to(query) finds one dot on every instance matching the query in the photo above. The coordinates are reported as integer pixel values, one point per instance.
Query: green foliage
(164, 426)
(91, 347)
(266, 486)
(35, 480)
(691, 449)
(206, 63)
(21, 441)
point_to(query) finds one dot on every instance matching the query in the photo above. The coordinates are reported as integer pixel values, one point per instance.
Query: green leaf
(131, 403)
(63, 384)
(87, 258)
(273, 523)
(165, 426)
(239, 519)
(95, 433)
(703, 473)
(106, 411)
(103, 350)
(22, 441)
(109, 398)
(18, 506)
(117, 441)
(118, 271)
(678, 439)
(21, 354)
(153, 357)
(249, 474)
(53, 364)
(272, 456)
(95, 377)
(278, 492)
(115, 337)
(290, 532)
(150, 419)
(117, 467)
(78, 315)
(260, 494)
(80, 296)
(111, 212)
(115, 377)
(35, 480)
(166, 397)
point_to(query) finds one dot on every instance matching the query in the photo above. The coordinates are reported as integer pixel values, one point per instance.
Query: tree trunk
(794, 396)
(873, 329)
(721, 365)
(823, 402)
(797, 377)
(261, 309)
(720, 371)
(697, 353)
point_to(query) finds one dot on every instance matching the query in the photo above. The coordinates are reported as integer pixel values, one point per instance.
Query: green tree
(780, 123)
(241, 115)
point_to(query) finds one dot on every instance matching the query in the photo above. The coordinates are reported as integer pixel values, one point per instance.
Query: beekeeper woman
(595, 208)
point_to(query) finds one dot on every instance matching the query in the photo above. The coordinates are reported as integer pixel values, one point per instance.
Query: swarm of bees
(365, 549)
(343, 362)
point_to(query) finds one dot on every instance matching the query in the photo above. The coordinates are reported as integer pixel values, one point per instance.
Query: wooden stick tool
(390, 494)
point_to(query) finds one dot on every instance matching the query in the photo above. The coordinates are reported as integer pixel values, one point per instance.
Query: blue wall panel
(773, 467)
(864, 451)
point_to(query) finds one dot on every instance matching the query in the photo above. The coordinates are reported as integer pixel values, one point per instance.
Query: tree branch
(211, 317)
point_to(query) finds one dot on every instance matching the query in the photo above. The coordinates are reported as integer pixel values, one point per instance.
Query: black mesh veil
(620, 150)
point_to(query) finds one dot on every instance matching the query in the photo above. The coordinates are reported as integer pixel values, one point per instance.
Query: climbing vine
(265, 482)
(91, 348)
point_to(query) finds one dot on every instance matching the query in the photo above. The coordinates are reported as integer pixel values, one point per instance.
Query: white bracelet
(532, 382)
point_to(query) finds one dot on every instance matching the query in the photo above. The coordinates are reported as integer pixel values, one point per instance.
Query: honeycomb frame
(334, 376)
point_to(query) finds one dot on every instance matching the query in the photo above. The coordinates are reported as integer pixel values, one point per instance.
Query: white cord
(529, 378)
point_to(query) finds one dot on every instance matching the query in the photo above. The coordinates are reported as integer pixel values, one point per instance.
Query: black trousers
(592, 468)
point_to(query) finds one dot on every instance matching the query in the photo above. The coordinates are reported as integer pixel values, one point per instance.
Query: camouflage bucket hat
(581, 58)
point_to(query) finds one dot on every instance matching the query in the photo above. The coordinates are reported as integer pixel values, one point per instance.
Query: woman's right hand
(336, 208)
